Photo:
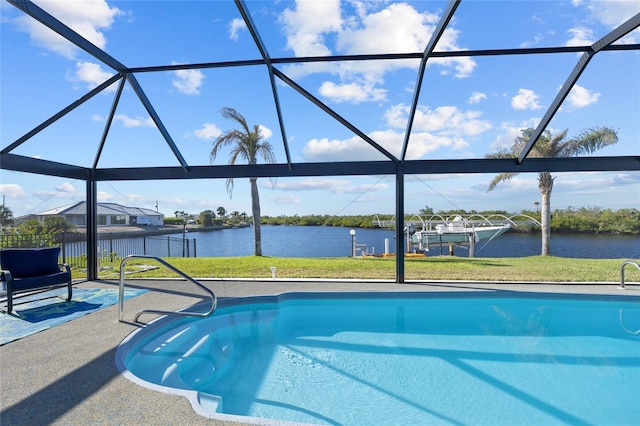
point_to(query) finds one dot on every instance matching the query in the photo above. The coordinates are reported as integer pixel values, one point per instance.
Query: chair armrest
(64, 267)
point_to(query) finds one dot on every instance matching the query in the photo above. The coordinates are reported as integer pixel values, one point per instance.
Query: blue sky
(468, 106)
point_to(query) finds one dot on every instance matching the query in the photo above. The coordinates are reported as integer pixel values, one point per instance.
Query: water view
(324, 241)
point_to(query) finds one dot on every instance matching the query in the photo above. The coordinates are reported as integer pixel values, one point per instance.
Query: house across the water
(109, 214)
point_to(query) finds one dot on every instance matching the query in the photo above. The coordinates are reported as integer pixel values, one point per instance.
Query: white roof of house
(80, 208)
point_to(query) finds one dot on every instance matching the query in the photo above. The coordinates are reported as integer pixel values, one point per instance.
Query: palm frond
(554, 144)
(502, 153)
(229, 138)
(500, 178)
(237, 151)
(246, 143)
(229, 185)
(232, 114)
(589, 141)
(266, 152)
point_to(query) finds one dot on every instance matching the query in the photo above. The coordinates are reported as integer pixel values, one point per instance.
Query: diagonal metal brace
(156, 119)
(334, 114)
(52, 23)
(605, 41)
(242, 7)
(435, 37)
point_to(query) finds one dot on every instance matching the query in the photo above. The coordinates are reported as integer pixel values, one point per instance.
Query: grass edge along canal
(529, 269)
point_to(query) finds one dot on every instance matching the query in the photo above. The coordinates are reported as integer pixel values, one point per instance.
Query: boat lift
(456, 231)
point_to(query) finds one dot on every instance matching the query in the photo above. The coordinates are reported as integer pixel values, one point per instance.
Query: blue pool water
(401, 358)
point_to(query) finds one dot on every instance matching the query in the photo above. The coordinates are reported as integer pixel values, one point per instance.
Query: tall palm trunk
(255, 211)
(545, 184)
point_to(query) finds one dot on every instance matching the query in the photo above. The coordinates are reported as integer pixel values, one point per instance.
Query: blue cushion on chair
(31, 262)
(34, 283)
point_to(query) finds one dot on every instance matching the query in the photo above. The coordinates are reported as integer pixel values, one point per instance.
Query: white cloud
(188, 81)
(477, 97)
(510, 132)
(335, 186)
(285, 199)
(265, 131)
(318, 184)
(89, 20)
(433, 129)
(104, 197)
(612, 13)
(235, 26)
(66, 187)
(340, 150)
(12, 190)
(517, 185)
(627, 179)
(405, 29)
(506, 139)
(351, 92)
(580, 36)
(90, 74)
(591, 184)
(526, 99)
(359, 189)
(134, 122)
(536, 40)
(307, 25)
(420, 143)
(208, 131)
(580, 97)
(65, 190)
(444, 119)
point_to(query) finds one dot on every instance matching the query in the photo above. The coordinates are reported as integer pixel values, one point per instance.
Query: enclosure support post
(399, 226)
(92, 227)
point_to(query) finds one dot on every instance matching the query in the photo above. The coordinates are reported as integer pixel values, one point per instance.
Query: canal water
(327, 241)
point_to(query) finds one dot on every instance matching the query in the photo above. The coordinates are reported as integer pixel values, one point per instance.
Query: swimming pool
(400, 358)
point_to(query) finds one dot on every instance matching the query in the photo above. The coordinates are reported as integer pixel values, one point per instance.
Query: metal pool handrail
(628, 262)
(214, 299)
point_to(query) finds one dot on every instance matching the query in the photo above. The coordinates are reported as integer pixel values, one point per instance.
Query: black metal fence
(112, 247)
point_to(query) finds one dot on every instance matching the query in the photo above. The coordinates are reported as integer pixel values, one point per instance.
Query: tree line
(208, 218)
(590, 220)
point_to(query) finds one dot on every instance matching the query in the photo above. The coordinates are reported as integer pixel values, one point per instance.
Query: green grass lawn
(534, 268)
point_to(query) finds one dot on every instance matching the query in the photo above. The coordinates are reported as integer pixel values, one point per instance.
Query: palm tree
(246, 143)
(222, 212)
(6, 216)
(548, 146)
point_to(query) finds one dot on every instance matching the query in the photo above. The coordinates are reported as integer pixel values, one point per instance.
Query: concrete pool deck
(67, 375)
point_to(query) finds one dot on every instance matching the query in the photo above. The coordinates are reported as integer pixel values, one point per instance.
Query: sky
(468, 106)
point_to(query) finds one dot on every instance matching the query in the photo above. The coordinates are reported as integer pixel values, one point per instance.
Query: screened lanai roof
(103, 91)
(338, 87)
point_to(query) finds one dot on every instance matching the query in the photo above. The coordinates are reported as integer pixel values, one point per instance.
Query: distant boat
(456, 231)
